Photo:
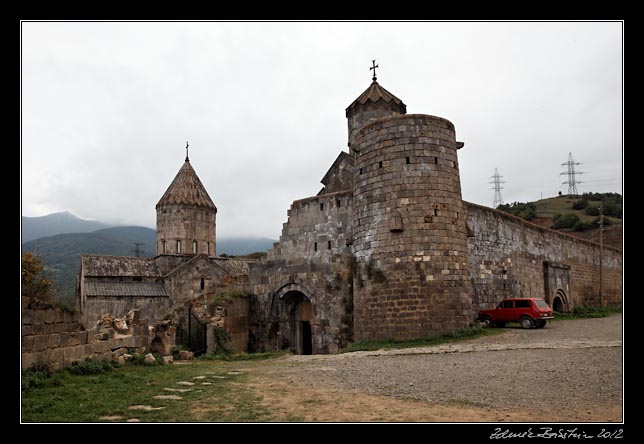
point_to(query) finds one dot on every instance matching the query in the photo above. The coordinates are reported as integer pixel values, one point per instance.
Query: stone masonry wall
(507, 256)
(152, 309)
(56, 337)
(311, 258)
(409, 228)
(235, 322)
(187, 224)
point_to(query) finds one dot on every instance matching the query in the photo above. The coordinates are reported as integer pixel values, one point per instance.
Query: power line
(137, 250)
(496, 180)
(572, 181)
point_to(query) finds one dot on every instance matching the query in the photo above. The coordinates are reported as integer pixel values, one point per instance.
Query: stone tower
(186, 217)
(409, 230)
(374, 103)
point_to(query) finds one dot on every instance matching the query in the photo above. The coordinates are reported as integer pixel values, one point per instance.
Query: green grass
(66, 397)
(460, 335)
(585, 312)
(563, 205)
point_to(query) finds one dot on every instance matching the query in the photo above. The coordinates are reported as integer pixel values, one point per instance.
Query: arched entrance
(559, 302)
(291, 326)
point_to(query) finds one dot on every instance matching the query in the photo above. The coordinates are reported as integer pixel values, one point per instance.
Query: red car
(529, 312)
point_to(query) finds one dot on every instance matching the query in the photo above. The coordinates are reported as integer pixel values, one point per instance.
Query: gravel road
(567, 365)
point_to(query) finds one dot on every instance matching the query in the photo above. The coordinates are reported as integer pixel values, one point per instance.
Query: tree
(35, 282)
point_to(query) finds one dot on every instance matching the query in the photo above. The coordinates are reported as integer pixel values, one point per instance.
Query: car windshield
(541, 303)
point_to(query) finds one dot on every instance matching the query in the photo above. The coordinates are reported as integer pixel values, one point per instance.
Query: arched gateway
(292, 317)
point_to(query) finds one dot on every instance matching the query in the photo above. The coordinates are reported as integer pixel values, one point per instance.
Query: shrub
(175, 351)
(592, 211)
(33, 379)
(583, 226)
(139, 359)
(580, 204)
(92, 367)
(526, 211)
(565, 220)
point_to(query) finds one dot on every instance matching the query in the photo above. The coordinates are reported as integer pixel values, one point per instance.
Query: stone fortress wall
(511, 257)
(307, 268)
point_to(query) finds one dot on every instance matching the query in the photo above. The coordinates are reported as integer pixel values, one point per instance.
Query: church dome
(186, 189)
(373, 94)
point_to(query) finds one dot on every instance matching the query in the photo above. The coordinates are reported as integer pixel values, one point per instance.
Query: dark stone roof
(116, 289)
(186, 189)
(374, 93)
(100, 266)
(234, 267)
(343, 156)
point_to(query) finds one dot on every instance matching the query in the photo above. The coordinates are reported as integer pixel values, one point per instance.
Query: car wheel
(487, 321)
(527, 322)
(540, 323)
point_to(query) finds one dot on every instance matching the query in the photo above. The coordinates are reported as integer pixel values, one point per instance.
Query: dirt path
(571, 371)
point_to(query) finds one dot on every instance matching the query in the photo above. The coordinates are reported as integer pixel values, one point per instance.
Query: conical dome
(186, 217)
(374, 103)
(373, 94)
(186, 189)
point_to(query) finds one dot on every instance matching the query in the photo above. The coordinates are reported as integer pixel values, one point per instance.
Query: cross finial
(373, 62)
(187, 159)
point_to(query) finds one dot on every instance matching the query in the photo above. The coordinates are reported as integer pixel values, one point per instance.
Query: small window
(178, 247)
(435, 212)
(328, 245)
(522, 304)
(315, 246)
(457, 215)
(208, 246)
(436, 160)
(407, 160)
(361, 170)
(380, 164)
(321, 206)
(506, 304)
(338, 203)
(165, 247)
(194, 247)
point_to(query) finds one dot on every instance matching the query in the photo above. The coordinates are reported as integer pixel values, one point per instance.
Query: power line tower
(496, 180)
(137, 250)
(572, 181)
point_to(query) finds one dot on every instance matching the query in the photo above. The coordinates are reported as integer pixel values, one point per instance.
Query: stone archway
(560, 302)
(292, 318)
(300, 315)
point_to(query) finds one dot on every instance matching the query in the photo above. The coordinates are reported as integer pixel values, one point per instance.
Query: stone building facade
(386, 249)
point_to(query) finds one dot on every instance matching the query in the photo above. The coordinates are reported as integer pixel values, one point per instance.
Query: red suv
(530, 312)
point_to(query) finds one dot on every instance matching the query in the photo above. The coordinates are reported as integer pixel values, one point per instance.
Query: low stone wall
(55, 337)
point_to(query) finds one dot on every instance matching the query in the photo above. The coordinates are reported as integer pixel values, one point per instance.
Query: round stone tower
(409, 229)
(186, 217)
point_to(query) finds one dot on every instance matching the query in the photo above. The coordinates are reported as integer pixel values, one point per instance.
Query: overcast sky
(107, 109)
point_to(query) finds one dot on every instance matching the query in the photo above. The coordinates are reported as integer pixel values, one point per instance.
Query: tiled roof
(234, 267)
(94, 265)
(374, 93)
(186, 189)
(116, 289)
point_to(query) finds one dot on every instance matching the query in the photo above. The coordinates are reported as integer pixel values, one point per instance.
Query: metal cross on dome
(187, 159)
(373, 62)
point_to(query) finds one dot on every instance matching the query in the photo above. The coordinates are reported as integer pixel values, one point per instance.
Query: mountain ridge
(61, 252)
